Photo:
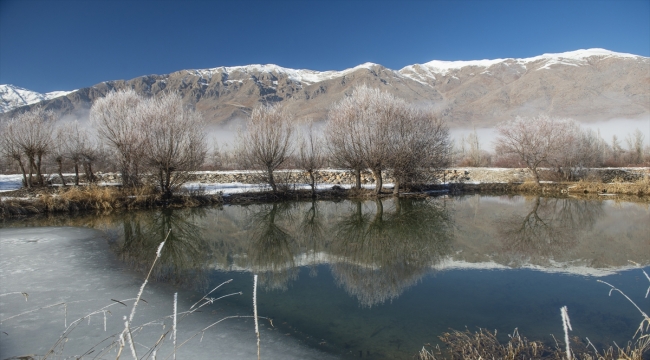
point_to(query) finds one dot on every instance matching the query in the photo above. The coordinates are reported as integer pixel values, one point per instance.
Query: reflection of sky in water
(315, 307)
(386, 277)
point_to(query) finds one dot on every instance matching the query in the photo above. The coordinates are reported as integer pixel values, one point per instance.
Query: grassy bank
(638, 188)
(483, 344)
(25, 202)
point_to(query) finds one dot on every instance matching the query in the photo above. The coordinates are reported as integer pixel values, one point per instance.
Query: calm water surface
(379, 279)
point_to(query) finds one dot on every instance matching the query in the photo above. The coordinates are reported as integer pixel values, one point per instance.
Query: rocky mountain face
(587, 85)
(12, 97)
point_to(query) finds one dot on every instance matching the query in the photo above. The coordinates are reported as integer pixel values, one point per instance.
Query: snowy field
(73, 270)
(13, 182)
(10, 182)
(237, 188)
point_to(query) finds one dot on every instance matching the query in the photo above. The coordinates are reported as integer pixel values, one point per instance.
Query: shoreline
(73, 199)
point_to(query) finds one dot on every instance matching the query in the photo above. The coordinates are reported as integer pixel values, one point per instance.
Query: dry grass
(483, 344)
(98, 198)
(617, 186)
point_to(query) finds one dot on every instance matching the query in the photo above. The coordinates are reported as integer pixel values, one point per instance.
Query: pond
(378, 279)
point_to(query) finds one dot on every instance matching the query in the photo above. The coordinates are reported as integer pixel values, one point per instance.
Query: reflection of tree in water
(184, 254)
(272, 248)
(552, 226)
(382, 254)
(311, 232)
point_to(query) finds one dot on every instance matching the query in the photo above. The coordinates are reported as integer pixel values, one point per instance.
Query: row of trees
(563, 144)
(368, 129)
(157, 135)
(558, 143)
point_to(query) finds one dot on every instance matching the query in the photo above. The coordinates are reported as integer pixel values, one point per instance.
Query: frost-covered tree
(376, 130)
(117, 125)
(174, 140)
(77, 145)
(358, 131)
(419, 145)
(266, 142)
(10, 148)
(26, 139)
(343, 138)
(310, 155)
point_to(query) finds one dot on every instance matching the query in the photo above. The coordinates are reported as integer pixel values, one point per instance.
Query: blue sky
(48, 45)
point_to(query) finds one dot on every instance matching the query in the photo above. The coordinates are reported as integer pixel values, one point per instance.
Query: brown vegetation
(483, 344)
(97, 198)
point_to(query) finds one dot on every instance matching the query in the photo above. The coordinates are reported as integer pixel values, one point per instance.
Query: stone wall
(454, 175)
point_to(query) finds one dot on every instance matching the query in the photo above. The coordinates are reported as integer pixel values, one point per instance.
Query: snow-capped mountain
(587, 85)
(12, 97)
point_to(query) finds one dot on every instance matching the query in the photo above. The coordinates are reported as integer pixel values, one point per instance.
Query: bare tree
(10, 148)
(343, 138)
(58, 153)
(376, 110)
(358, 131)
(474, 154)
(419, 144)
(617, 149)
(117, 125)
(266, 142)
(78, 146)
(572, 154)
(374, 129)
(310, 156)
(635, 147)
(536, 141)
(30, 133)
(174, 140)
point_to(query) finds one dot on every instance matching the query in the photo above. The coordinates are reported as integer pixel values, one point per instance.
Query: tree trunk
(376, 173)
(22, 169)
(313, 183)
(39, 175)
(535, 174)
(88, 168)
(272, 180)
(168, 183)
(30, 181)
(76, 173)
(357, 175)
(161, 178)
(60, 163)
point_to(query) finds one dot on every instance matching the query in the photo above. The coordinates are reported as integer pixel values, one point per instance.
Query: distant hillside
(588, 85)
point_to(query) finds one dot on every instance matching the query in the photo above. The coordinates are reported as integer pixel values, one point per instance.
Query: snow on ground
(74, 266)
(238, 188)
(10, 182)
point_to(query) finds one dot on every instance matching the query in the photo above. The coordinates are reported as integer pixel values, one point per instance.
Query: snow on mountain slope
(299, 75)
(477, 90)
(420, 72)
(13, 96)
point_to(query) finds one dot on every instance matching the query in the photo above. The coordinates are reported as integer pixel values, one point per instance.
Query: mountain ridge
(589, 85)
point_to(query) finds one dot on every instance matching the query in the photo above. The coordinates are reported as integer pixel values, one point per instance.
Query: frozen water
(74, 266)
